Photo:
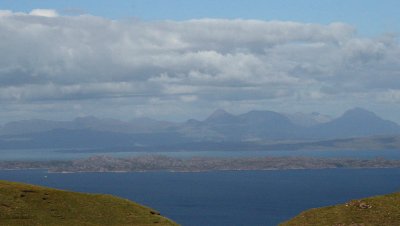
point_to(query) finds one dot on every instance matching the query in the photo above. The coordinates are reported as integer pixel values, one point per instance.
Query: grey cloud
(65, 58)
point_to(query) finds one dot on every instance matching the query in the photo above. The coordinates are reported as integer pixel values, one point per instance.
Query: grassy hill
(23, 204)
(378, 210)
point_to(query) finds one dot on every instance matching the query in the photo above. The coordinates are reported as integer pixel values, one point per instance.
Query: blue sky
(370, 17)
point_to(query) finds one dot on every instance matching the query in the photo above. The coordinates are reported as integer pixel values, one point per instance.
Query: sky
(175, 59)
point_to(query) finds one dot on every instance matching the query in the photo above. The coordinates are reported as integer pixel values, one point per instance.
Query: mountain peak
(220, 115)
(358, 122)
(359, 112)
(219, 111)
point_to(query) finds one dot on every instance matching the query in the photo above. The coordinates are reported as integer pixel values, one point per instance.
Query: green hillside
(378, 210)
(23, 204)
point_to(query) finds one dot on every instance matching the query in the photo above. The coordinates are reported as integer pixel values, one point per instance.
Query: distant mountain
(32, 126)
(251, 126)
(221, 117)
(266, 126)
(259, 125)
(205, 130)
(356, 122)
(148, 125)
(254, 129)
(140, 125)
(308, 120)
(86, 138)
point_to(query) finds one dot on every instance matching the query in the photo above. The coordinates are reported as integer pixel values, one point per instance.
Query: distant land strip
(195, 164)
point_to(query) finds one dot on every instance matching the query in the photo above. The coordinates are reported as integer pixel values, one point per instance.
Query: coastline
(196, 164)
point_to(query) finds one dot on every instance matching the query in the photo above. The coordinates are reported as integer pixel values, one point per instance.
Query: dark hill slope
(374, 211)
(22, 204)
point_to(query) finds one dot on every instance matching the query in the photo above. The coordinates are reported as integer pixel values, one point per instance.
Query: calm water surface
(226, 198)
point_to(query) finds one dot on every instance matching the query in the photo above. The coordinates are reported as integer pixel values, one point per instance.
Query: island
(195, 164)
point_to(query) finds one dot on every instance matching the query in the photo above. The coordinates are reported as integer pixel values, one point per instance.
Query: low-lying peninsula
(196, 164)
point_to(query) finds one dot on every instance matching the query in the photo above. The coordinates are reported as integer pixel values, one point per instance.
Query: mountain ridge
(257, 127)
(357, 122)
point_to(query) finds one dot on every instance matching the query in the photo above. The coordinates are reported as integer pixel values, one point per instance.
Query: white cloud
(44, 12)
(192, 63)
(5, 13)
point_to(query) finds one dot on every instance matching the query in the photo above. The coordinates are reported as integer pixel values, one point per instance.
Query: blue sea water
(232, 198)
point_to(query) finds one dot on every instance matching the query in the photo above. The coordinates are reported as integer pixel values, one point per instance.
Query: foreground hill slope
(378, 210)
(22, 204)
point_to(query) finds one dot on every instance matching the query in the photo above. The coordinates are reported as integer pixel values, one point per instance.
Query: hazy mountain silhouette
(221, 117)
(219, 129)
(308, 120)
(356, 122)
(140, 125)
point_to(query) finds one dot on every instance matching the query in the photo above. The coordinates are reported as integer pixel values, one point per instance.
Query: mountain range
(221, 130)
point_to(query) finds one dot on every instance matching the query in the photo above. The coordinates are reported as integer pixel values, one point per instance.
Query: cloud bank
(181, 67)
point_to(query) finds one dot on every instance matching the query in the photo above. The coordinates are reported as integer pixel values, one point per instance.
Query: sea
(231, 198)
